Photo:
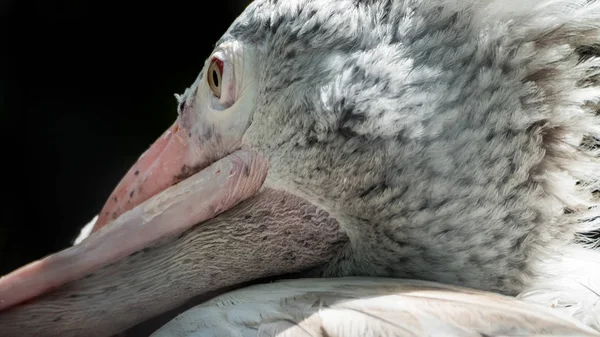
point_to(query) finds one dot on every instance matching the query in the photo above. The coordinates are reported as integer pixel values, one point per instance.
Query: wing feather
(365, 307)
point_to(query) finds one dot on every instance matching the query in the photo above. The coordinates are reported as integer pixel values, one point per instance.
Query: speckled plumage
(442, 134)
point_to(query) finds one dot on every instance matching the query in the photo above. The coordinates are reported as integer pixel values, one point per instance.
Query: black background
(85, 88)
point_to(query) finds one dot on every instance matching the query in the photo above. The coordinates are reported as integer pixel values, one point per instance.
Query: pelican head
(444, 137)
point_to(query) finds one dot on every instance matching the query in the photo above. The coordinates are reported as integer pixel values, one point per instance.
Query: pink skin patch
(219, 63)
(147, 206)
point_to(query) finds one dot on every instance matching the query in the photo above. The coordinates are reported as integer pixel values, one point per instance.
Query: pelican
(442, 141)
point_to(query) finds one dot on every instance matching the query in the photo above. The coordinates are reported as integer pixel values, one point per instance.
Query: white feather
(85, 231)
(366, 307)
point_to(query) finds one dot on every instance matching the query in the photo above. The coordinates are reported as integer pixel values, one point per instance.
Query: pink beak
(172, 187)
(159, 167)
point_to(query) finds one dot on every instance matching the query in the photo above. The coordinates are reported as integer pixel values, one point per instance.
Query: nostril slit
(181, 105)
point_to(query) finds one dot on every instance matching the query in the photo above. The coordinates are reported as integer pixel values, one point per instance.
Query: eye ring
(214, 76)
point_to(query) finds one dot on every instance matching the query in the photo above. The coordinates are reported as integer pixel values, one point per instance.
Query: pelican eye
(214, 76)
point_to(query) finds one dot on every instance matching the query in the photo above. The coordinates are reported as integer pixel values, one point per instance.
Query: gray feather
(444, 135)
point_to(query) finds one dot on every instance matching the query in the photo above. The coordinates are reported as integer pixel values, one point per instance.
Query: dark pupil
(215, 78)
